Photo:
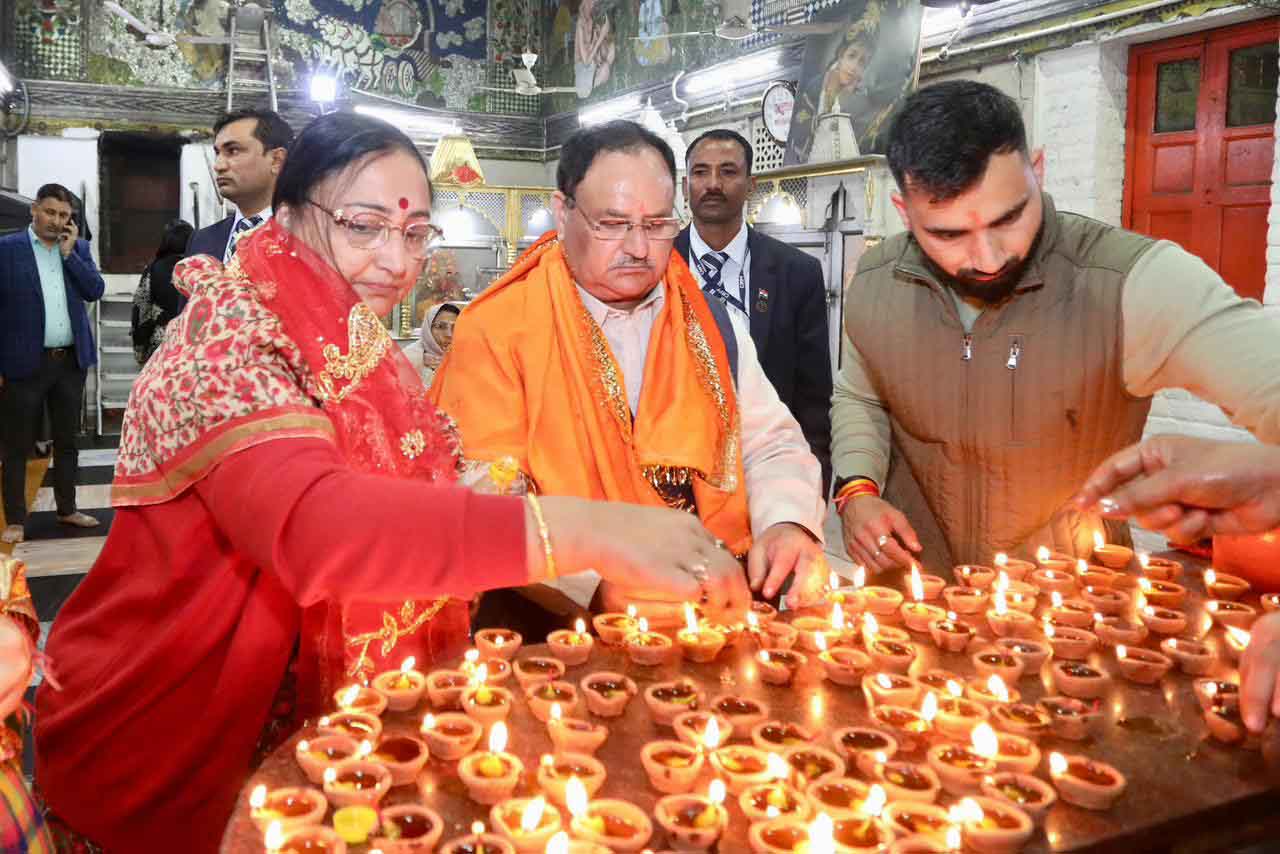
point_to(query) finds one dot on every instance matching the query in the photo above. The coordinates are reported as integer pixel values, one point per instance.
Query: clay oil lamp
(1072, 719)
(949, 634)
(908, 727)
(498, 643)
(562, 844)
(542, 696)
(889, 689)
(765, 613)
(488, 704)
(1116, 630)
(1070, 644)
(864, 747)
(557, 773)
(991, 826)
(407, 829)
(574, 735)
(356, 782)
(1163, 621)
(289, 807)
(1234, 643)
(965, 600)
(403, 756)
(1210, 692)
(842, 665)
(646, 648)
(1007, 622)
(668, 699)
(779, 735)
(477, 842)
(957, 716)
(445, 687)
(905, 781)
(1016, 753)
(608, 693)
(702, 728)
(498, 669)
(1096, 576)
(538, 668)
(809, 763)
(1076, 613)
(526, 822)
(997, 662)
(916, 614)
(1084, 782)
(315, 755)
(962, 767)
(836, 796)
(699, 643)
(491, 775)
(776, 797)
(1110, 555)
(743, 713)
(990, 691)
(1225, 724)
(1014, 569)
(571, 647)
(1270, 602)
(932, 585)
(673, 766)
(882, 601)
(1106, 601)
(848, 598)
(922, 824)
(1057, 561)
(1032, 654)
(1079, 680)
(1159, 568)
(937, 679)
(809, 629)
(355, 725)
(403, 688)
(693, 822)
(866, 833)
(782, 836)
(891, 656)
(1220, 585)
(310, 839)
(1022, 719)
(779, 635)
(742, 765)
(1050, 581)
(974, 576)
(1166, 594)
(779, 666)
(613, 627)
(451, 735)
(1025, 791)
(1192, 657)
(1235, 614)
(360, 698)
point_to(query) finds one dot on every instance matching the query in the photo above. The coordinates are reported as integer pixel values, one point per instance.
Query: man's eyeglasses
(618, 229)
(368, 230)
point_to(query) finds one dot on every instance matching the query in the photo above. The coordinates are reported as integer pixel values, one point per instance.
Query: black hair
(579, 151)
(944, 135)
(723, 135)
(177, 232)
(59, 192)
(447, 307)
(330, 144)
(271, 130)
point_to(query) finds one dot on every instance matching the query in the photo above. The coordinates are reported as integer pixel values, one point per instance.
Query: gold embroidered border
(726, 476)
(391, 633)
(605, 368)
(367, 342)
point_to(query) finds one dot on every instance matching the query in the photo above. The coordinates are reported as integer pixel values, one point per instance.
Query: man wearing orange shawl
(598, 365)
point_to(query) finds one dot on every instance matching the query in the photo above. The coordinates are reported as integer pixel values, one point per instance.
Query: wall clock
(775, 110)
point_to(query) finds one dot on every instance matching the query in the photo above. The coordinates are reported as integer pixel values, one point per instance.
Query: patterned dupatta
(280, 298)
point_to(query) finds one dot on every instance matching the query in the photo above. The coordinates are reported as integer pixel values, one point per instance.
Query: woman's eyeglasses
(367, 230)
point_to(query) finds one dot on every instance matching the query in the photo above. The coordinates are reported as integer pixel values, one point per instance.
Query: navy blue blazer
(212, 239)
(789, 326)
(22, 305)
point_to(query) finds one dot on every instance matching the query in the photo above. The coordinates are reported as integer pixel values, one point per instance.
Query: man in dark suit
(249, 147)
(46, 347)
(776, 288)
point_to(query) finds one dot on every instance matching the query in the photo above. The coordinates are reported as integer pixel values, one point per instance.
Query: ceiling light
(724, 77)
(607, 111)
(324, 88)
(410, 122)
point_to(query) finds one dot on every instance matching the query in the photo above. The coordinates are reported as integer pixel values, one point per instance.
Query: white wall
(195, 166)
(71, 161)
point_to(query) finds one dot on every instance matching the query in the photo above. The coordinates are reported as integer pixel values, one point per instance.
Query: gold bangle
(544, 534)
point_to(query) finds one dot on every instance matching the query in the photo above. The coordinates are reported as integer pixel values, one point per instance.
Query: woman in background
(434, 339)
(156, 302)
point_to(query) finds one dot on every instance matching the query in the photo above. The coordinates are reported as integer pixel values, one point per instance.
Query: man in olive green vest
(999, 350)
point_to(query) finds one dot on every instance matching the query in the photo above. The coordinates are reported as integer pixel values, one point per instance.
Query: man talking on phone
(46, 347)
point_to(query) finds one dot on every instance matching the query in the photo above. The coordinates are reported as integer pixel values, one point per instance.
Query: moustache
(631, 264)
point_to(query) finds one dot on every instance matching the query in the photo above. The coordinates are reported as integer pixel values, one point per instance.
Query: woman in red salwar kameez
(287, 514)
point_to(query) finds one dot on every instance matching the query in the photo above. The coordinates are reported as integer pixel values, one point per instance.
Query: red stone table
(1180, 784)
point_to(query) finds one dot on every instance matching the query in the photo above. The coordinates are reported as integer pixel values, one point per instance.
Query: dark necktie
(711, 265)
(241, 227)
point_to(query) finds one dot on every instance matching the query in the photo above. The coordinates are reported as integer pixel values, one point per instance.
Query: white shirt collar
(736, 249)
(265, 213)
(600, 310)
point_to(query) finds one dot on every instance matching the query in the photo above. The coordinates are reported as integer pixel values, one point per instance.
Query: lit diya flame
(1144, 584)
(1055, 598)
(1001, 560)
(917, 586)
(1149, 611)
(632, 612)
(711, 735)
(1048, 629)
(953, 838)
(954, 688)
(1238, 637)
(690, 619)
(580, 626)
(969, 812)
(837, 618)
(499, 641)
(764, 656)
(274, 837)
(532, 816)
(870, 628)
(1210, 578)
(556, 713)
(1211, 689)
(1002, 604)
(471, 656)
(753, 622)
(833, 580)
(1002, 582)
(1042, 554)
(429, 721)
(951, 616)
(1121, 651)
(820, 640)
(498, 737)
(349, 696)
(558, 844)
(985, 742)
(481, 675)
(644, 626)
(884, 681)
(875, 802)
(1144, 559)
(997, 688)
(1098, 540)
(822, 835)
(408, 664)
(258, 799)
(330, 774)
(575, 797)
(929, 708)
(365, 748)
(715, 792)
(778, 767)
(859, 577)
(1098, 617)
(1057, 764)
(477, 827)
(1082, 566)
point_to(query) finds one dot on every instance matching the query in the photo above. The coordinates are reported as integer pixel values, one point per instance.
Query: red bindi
(404, 203)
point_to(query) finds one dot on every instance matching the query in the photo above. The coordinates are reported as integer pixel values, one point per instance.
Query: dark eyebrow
(1007, 217)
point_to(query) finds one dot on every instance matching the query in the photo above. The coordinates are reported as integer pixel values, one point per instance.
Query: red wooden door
(1201, 140)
